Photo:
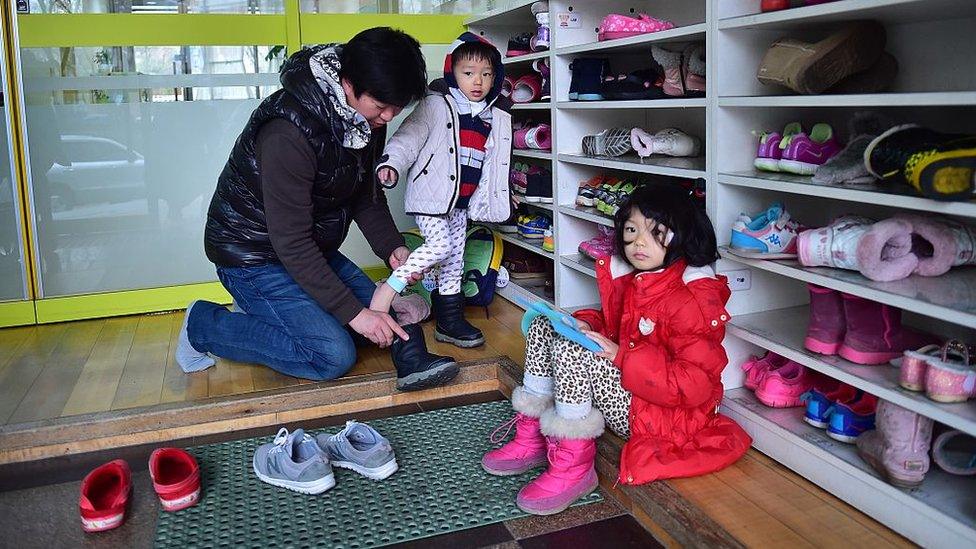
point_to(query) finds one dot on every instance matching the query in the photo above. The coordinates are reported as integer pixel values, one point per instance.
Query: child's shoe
(769, 152)
(820, 402)
(804, 153)
(769, 235)
(950, 376)
(527, 89)
(669, 141)
(756, 368)
(540, 41)
(520, 44)
(955, 453)
(599, 246)
(539, 186)
(586, 195)
(104, 496)
(518, 177)
(784, 386)
(617, 199)
(834, 245)
(898, 448)
(294, 462)
(571, 455)
(541, 66)
(175, 477)
(534, 226)
(774, 5)
(938, 165)
(848, 421)
(874, 333)
(528, 449)
(671, 62)
(826, 329)
(548, 243)
(609, 142)
(616, 26)
(693, 69)
(587, 78)
(914, 365)
(360, 448)
(451, 326)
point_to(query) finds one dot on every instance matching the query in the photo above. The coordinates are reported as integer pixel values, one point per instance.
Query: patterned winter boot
(528, 449)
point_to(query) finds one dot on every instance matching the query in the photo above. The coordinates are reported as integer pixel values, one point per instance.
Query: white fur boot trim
(529, 404)
(590, 427)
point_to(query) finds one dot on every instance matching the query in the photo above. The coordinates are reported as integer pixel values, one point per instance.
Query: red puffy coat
(669, 325)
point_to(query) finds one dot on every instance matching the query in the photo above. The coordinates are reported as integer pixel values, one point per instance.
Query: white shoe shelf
(934, 42)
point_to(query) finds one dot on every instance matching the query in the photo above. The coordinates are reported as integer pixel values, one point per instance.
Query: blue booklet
(564, 324)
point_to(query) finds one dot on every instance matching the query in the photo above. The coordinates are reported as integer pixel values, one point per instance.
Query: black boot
(416, 367)
(451, 325)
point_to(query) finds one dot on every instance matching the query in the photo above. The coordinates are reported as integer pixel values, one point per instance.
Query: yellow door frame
(292, 29)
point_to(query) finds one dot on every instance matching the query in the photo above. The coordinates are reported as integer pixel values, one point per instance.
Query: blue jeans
(282, 326)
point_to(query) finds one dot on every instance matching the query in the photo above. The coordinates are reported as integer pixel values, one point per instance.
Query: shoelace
(342, 434)
(508, 428)
(280, 440)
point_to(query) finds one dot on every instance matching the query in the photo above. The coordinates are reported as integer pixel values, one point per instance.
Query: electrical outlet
(739, 280)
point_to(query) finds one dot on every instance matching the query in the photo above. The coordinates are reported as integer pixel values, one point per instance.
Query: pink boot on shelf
(784, 387)
(757, 368)
(951, 376)
(825, 333)
(571, 473)
(528, 449)
(898, 448)
(874, 332)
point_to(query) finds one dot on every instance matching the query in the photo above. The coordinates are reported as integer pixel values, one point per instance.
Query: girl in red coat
(657, 382)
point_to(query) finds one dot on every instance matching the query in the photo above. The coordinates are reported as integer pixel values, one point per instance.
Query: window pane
(157, 6)
(390, 6)
(13, 284)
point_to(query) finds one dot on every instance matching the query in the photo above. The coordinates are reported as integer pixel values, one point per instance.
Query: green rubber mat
(439, 488)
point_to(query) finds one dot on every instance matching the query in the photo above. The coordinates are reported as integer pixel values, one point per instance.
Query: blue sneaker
(771, 234)
(361, 448)
(820, 404)
(534, 226)
(849, 421)
(294, 461)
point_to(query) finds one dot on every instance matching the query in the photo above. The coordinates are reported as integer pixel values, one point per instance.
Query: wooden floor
(58, 370)
(99, 365)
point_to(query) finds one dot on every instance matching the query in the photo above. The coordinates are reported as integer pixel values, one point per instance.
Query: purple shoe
(803, 153)
(769, 152)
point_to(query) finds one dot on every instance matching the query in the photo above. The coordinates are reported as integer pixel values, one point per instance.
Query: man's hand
(380, 328)
(398, 258)
(387, 175)
(610, 348)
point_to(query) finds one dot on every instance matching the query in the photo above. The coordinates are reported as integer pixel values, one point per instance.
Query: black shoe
(587, 78)
(416, 367)
(451, 326)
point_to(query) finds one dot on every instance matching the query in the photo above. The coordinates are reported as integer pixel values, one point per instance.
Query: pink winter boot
(874, 332)
(571, 473)
(528, 449)
(825, 333)
(899, 447)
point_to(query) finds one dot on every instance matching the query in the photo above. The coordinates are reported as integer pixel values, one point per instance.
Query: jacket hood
(496, 63)
(297, 79)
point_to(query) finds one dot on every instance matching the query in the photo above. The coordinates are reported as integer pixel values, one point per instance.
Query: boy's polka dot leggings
(579, 376)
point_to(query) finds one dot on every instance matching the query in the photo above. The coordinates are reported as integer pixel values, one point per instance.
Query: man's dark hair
(476, 50)
(387, 64)
(670, 205)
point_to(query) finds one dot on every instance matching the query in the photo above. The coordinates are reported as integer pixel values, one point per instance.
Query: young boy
(454, 150)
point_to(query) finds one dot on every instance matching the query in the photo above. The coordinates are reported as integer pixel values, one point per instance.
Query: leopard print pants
(579, 376)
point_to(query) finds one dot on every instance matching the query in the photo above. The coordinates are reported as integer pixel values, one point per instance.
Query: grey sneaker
(294, 461)
(360, 448)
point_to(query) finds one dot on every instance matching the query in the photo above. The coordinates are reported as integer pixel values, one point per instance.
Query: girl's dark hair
(386, 63)
(670, 205)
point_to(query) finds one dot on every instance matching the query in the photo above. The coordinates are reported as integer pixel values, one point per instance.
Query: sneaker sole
(310, 488)
(462, 343)
(103, 524)
(753, 254)
(433, 377)
(798, 168)
(815, 423)
(766, 164)
(593, 486)
(821, 347)
(375, 473)
(949, 175)
(847, 439)
(778, 402)
(866, 357)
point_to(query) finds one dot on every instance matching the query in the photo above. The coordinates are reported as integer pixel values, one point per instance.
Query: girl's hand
(387, 175)
(610, 348)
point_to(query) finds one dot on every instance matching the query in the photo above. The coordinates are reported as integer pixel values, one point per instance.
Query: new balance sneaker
(609, 142)
(176, 478)
(534, 226)
(599, 246)
(104, 496)
(803, 153)
(360, 448)
(769, 235)
(295, 462)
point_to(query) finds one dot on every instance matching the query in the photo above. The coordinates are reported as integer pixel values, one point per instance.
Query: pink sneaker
(783, 387)
(571, 473)
(528, 449)
(804, 153)
(951, 376)
(913, 366)
(623, 26)
(757, 368)
(599, 246)
(825, 332)
(769, 152)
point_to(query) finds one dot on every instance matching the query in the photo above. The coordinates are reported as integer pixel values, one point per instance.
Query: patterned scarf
(325, 67)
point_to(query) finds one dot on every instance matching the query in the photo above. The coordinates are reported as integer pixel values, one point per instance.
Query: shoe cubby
(933, 42)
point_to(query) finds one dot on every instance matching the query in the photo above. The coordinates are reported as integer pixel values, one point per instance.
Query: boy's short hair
(475, 50)
(386, 63)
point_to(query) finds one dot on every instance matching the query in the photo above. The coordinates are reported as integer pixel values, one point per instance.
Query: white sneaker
(669, 141)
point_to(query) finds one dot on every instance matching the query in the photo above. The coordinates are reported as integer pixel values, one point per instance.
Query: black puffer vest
(237, 231)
